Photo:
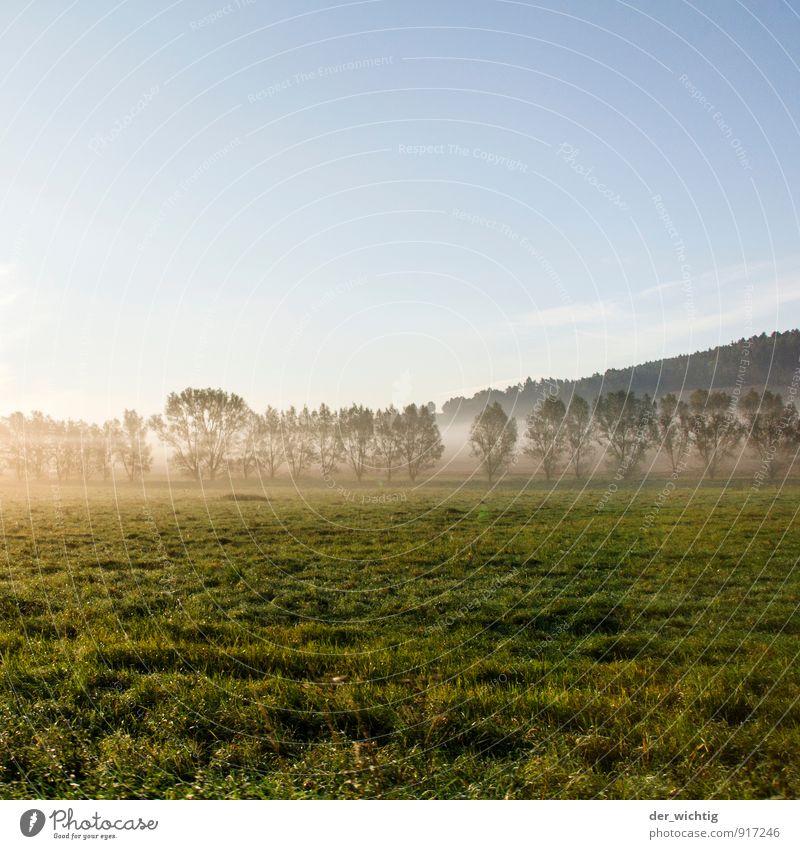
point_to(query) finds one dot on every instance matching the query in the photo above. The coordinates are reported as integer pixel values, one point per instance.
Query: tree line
(212, 432)
(710, 426)
(767, 360)
(39, 446)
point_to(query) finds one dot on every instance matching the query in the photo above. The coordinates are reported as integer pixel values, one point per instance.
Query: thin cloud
(588, 312)
(753, 272)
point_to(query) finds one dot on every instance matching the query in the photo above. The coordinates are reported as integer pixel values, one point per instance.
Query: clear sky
(388, 200)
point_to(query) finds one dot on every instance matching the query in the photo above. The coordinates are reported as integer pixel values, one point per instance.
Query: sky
(386, 201)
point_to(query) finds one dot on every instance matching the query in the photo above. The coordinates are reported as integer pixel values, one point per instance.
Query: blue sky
(386, 201)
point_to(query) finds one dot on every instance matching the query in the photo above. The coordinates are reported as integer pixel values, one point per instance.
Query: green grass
(519, 644)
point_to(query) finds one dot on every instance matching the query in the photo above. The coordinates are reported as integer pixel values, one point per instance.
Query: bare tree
(674, 429)
(64, 443)
(88, 449)
(37, 449)
(330, 450)
(715, 430)
(6, 451)
(201, 426)
(15, 444)
(580, 433)
(420, 441)
(269, 442)
(627, 424)
(248, 442)
(388, 444)
(772, 429)
(298, 432)
(91, 450)
(493, 438)
(106, 442)
(357, 430)
(546, 433)
(132, 449)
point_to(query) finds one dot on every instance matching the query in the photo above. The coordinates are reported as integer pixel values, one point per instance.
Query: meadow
(429, 642)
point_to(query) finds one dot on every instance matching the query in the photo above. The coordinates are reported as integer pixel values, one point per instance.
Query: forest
(768, 360)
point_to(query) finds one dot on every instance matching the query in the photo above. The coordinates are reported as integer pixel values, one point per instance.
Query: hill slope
(768, 360)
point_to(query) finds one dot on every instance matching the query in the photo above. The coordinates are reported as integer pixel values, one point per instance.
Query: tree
(357, 430)
(5, 445)
(131, 446)
(64, 447)
(388, 439)
(15, 444)
(248, 443)
(771, 361)
(201, 426)
(545, 433)
(90, 450)
(715, 430)
(269, 442)
(419, 439)
(627, 424)
(772, 429)
(37, 448)
(106, 441)
(674, 429)
(580, 432)
(88, 460)
(298, 432)
(493, 439)
(330, 450)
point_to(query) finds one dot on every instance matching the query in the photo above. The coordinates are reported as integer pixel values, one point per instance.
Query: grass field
(519, 644)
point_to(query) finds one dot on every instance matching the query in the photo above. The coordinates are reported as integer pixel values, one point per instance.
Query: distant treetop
(765, 361)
